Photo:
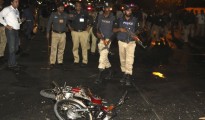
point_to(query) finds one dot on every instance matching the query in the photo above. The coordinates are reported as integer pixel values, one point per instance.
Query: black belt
(59, 31)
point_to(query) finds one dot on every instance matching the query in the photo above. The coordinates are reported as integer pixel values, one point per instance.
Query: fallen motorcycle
(79, 103)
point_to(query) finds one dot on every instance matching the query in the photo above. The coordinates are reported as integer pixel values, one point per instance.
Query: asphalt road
(178, 96)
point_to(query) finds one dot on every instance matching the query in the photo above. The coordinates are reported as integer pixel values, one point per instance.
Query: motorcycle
(76, 103)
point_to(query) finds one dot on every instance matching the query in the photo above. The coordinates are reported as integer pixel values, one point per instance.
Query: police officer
(80, 26)
(3, 40)
(28, 27)
(105, 24)
(91, 36)
(59, 21)
(10, 18)
(127, 45)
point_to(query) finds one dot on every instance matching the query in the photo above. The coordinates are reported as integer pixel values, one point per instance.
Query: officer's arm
(2, 13)
(89, 21)
(49, 25)
(71, 16)
(69, 26)
(116, 27)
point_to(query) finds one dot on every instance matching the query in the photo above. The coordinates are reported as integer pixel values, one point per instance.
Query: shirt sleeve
(3, 13)
(71, 15)
(89, 19)
(50, 21)
(95, 25)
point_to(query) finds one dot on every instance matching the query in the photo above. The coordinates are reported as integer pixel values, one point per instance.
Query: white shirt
(10, 16)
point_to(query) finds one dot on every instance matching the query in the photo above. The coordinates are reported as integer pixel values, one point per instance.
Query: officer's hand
(106, 42)
(23, 19)
(99, 35)
(123, 30)
(47, 36)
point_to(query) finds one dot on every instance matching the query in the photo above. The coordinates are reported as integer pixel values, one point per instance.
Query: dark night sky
(145, 3)
(195, 3)
(188, 3)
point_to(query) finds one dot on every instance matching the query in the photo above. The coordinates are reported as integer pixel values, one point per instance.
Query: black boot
(99, 78)
(122, 80)
(109, 76)
(128, 80)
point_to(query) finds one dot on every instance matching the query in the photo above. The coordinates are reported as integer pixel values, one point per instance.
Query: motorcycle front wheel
(48, 93)
(71, 109)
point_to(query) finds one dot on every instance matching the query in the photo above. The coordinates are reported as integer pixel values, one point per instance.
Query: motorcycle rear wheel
(65, 110)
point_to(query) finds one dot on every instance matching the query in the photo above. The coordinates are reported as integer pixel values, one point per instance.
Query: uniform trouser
(186, 29)
(192, 30)
(103, 60)
(13, 44)
(126, 52)
(94, 41)
(82, 39)
(43, 22)
(27, 35)
(155, 31)
(57, 47)
(2, 41)
(200, 29)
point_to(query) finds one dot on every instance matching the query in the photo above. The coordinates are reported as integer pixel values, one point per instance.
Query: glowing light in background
(158, 74)
(132, 5)
(89, 8)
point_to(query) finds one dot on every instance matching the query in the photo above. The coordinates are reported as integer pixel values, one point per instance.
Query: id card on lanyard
(17, 16)
(81, 20)
(61, 21)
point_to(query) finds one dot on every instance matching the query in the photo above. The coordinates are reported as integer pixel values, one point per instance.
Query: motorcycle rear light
(76, 89)
(96, 100)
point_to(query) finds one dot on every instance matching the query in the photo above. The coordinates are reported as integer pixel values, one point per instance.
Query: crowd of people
(103, 26)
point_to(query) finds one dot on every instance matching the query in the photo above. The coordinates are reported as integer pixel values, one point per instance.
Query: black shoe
(51, 66)
(109, 76)
(60, 65)
(3, 60)
(122, 80)
(83, 65)
(99, 77)
(128, 80)
(75, 64)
